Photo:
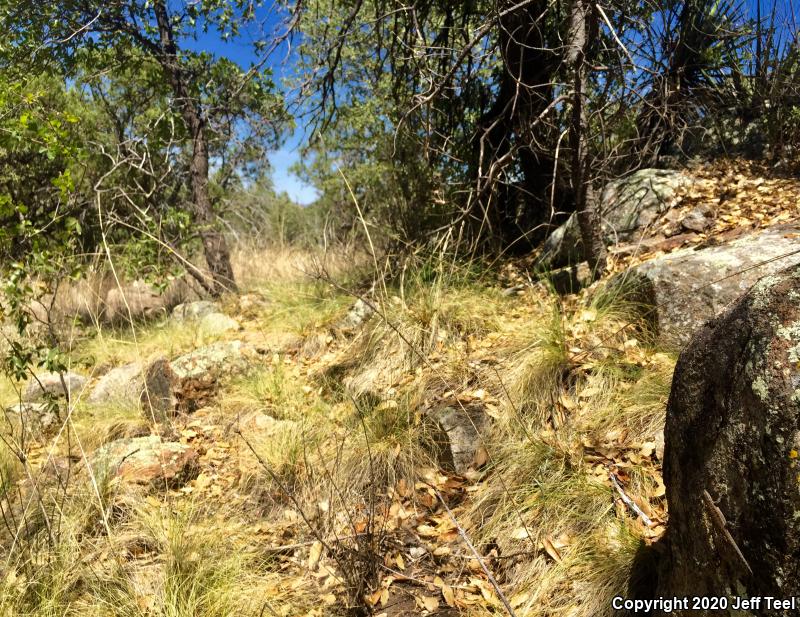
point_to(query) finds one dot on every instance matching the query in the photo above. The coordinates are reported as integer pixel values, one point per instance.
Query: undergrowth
(329, 442)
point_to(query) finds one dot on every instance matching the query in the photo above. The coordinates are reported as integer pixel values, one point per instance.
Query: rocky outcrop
(147, 461)
(457, 435)
(54, 384)
(680, 291)
(731, 463)
(627, 207)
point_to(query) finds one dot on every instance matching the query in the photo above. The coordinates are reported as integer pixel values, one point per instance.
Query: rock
(680, 291)
(120, 384)
(251, 305)
(512, 291)
(627, 206)
(213, 361)
(40, 416)
(733, 430)
(52, 384)
(218, 323)
(570, 279)
(457, 439)
(697, 220)
(137, 300)
(263, 425)
(147, 461)
(157, 396)
(193, 311)
(356, 316)
(150, 385)
(207, 315)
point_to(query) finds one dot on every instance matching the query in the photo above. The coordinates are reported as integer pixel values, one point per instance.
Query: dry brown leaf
(551, 550)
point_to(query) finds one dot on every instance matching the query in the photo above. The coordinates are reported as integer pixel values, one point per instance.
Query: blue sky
(241, 51)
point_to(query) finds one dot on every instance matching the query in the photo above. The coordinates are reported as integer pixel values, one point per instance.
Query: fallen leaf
(550, 549)
(430, 603)
(314, 554)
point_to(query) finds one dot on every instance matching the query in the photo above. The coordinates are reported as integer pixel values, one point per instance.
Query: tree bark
(215, 246)
(578, 42)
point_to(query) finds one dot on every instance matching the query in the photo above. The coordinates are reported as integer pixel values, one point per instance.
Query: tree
(582, 30)
(203, 90)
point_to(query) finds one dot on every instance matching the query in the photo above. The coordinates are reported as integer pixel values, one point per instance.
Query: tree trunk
(585, 202)
(510, 136)
(215, 247)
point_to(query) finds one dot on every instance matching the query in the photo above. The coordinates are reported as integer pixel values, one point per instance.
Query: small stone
(696, 221)
(356, 316)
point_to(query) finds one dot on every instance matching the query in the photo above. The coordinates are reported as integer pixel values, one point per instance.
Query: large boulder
(147, 461)
(54, 384)
(680, 291)
(627, 207)
(731, 461)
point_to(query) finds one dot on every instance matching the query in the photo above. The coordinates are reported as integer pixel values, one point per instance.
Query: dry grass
(256, 265)
(348, 424)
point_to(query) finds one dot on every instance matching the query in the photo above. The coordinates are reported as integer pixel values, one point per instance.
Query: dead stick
(478, 558)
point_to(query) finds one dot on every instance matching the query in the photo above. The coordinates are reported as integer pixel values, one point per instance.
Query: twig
(492, 581)
(628, 501)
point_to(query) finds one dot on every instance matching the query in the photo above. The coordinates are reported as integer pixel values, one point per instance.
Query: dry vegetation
(339, 505)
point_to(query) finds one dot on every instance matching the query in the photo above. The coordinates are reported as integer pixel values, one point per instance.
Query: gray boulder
(218, 323)
(206, 315)
(53, 384)
(731, 458)
(627, 207)
(213, 361)
(680, 291)
(150, 385)
(193, 311)
(137, 300)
